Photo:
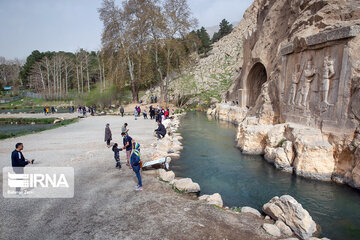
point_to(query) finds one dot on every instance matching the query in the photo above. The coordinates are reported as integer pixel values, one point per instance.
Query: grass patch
(52, 126)
(236, 209)
(30, 103)
(27, 120)
(281, 142)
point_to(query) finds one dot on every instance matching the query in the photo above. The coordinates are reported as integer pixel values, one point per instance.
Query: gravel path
(105, 205)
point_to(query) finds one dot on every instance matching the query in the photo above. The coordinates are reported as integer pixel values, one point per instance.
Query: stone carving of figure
(295, 78)
(265, 93)
(309, 75)
(328, 73)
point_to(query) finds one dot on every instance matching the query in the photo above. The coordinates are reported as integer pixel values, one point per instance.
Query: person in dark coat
(18, 161)
(135, 161)
(122, 111)
(108, 135)
(161, 130)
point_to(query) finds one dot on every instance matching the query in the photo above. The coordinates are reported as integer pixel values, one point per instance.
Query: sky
(68, 25)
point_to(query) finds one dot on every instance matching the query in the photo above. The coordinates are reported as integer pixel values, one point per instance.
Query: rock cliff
(300, 66)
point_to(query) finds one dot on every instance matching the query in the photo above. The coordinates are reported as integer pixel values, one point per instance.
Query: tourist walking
(45, 111)
(136, 165)
(152, 99)
(116, 151)
(161, 130)
(127, 141)
(122, 111)
(108, 135)
(155, 99)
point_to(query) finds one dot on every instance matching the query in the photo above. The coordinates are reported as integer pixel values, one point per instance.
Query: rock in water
(186, 185)
(251, 210)
(214, 199)
(288, 210)
(272, 229)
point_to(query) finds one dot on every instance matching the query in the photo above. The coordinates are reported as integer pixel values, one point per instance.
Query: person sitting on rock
(161, 130)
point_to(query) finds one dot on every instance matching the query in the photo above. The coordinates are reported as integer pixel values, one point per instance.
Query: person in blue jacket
(18, 161)
(135, 160)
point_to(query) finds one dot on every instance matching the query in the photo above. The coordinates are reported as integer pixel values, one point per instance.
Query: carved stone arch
(256, 78)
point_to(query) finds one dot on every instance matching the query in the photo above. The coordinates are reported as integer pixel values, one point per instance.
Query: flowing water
(211, 159)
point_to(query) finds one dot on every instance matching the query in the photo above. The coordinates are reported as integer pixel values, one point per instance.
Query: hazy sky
(26, 25)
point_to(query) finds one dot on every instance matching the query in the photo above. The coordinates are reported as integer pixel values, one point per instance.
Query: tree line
(144, 44)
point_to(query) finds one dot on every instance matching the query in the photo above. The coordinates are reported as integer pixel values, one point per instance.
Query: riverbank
(105, 204)
(299, 149)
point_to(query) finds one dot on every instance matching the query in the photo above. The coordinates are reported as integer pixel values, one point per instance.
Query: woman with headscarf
(135, 161)
(108, 135)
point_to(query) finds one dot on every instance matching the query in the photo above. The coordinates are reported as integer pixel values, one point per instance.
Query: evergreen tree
(224, 29)
(204, 37)
(34, 57)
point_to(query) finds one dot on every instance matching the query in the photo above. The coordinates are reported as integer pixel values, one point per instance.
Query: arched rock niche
(256, 78)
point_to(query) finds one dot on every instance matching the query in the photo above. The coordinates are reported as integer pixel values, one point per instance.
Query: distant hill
(214, 29)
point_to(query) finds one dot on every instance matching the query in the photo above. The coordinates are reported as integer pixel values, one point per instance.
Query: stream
(210, 158)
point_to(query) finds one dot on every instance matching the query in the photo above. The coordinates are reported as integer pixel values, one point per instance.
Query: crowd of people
(83, 110)
(132, 148)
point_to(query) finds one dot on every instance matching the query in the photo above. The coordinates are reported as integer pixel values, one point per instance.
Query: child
(116, 151)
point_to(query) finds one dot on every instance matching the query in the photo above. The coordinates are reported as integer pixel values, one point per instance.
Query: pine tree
(224, 29)
(204, 37)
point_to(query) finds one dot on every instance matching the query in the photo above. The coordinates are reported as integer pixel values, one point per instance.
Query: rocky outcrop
(252, 138)
(228, 112)
(290, 212)
(290, 147)
(170, 145)
(214, 199)
(305, 70)
(186, 185)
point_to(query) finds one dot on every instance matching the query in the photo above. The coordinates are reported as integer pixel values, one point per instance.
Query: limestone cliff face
(210, 77)
(301, 64)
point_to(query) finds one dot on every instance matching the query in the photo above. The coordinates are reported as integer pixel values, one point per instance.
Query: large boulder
(251, 210)
(214, 199)
(166, 176)
(252, 138)
(186, 185)
(288, 210)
